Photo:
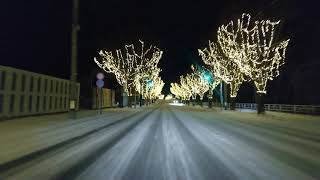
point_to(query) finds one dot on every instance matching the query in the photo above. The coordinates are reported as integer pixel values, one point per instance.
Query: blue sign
(100, 83)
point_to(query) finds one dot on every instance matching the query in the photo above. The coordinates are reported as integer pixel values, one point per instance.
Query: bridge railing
(301, 109)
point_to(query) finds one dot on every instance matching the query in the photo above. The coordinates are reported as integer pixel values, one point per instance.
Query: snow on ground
(251, 153)
(56, 163)
(19, 137)
(181, 142)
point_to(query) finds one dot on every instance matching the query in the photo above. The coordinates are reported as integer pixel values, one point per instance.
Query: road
(179, 143)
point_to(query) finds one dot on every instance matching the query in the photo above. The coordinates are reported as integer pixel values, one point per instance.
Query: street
(163, 142)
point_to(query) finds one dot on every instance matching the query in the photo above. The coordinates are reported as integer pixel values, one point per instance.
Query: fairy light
(222, 68)
(180, 91)
(251, 46)
(154, 91)
(132, 68)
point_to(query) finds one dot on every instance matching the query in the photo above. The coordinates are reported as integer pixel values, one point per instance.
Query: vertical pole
(135, 99)
(101, 99)
(140, 93)
(221, 94)
(225, 86)
(74, 43)
(260, 103)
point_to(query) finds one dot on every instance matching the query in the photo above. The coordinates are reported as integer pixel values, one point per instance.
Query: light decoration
(251, 46)
(199, 86)
(222, 68)
(180, 92)
(161, 96)
(153, 90)
(209, 78)
(141, 80)
(186, 87)
(168, 97)
(195, 84)
(213, 83)
(131, 68)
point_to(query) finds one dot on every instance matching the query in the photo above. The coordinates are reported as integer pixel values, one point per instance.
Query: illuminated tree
(186, 88)
(251, 46)
(141, 79)
(196, 83)
(223, 68)
(180, 92)
(208, 77)
(154, 88)
(132, 68)
(177, 91)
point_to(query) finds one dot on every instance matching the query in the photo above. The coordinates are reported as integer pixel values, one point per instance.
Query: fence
(300, 109)
(25, 93)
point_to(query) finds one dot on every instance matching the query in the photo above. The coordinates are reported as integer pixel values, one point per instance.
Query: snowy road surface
(180, 143)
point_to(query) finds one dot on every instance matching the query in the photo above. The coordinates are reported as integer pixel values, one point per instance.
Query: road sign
(100, 76)
(100, 83)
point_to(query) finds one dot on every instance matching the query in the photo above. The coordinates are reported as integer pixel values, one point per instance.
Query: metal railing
(299, 109)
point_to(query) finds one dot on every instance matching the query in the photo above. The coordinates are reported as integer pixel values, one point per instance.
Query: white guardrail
(300, 109)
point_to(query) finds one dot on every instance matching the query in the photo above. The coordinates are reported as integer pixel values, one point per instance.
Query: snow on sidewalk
(22, 136)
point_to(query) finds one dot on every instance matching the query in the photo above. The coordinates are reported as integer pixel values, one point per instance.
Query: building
(24, 93)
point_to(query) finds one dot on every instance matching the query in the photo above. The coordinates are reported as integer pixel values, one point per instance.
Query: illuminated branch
(253, 49)
(152, 92)
(132, 66)
(186, 88)
(180, 92)
(222, 67)
(197, 84)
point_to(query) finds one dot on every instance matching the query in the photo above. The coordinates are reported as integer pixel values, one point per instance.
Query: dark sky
(35, 35)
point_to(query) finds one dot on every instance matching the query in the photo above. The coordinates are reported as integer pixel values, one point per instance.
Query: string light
(253, 49)
(154, 91)
(222, 68)
(191, 85)
(131, 70)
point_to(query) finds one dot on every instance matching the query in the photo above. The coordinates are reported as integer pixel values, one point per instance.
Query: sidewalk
(23, 136)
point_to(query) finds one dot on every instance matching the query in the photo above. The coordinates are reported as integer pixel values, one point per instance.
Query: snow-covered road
(181, 143)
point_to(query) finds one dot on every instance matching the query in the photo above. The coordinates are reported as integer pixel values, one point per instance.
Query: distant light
(169, 97)
(176, 104)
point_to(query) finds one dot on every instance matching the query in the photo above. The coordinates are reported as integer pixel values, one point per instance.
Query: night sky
(35, 35)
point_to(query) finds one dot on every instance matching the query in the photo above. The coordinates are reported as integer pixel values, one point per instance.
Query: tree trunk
(232, 103)
(225, 95)
(130, 101)
(260, 103)
(210, 102)
(140, 100)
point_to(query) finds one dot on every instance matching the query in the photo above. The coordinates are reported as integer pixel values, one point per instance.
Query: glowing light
(130, 70)
(222, 68)
(168, 97)
(251, 46)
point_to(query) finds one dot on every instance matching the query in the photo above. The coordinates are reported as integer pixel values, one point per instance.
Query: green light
(150, 83)
(208, 77)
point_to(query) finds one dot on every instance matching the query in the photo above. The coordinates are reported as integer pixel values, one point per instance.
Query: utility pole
(74, 48)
